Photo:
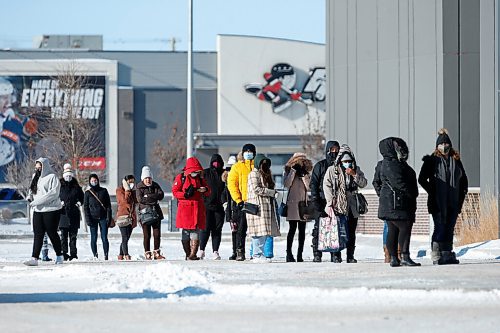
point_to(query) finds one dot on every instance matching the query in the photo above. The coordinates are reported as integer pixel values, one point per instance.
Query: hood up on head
(46, 168)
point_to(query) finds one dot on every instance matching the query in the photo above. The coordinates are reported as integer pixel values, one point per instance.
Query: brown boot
(127, 257)
(157, 255)
(387, 256)
(186, 247)
(195, 243)
(120, 257)
(148, 255)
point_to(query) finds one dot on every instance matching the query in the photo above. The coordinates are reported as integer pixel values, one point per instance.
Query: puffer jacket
(394, 177)
(126, 201)
(213, 176)
(46, 198)
(94, 210)
(318, 174)
(237, 180)
(71, 194)
(149, 196)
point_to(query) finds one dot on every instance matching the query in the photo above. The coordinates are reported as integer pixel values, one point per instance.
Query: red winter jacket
(191, 211)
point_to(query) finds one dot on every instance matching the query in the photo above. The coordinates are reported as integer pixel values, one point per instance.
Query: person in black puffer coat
(443, 177)
(396, 185)
(71, 196)
(97, 208)
(316, 187)
(213, 206)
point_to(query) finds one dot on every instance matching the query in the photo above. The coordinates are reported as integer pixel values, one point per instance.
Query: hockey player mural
(280, 89)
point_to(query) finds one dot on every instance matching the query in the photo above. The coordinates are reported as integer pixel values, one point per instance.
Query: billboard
(31, 109)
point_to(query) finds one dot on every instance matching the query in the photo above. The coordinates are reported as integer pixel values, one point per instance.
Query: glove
(189, 192)
(240, 205)
(296, 167)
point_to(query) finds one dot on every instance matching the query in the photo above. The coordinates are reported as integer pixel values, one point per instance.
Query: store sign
(280, 89)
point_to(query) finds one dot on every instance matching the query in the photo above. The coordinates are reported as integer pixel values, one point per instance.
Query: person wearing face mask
(148, 195)
(317, 195)
(71, 196)
(97, 209)
(237, 184)
(396, 185)
(444, 179)
(126, 200)
(340, 185)
(261, 192)
(190, 189)
(214, 207)
(45, 187)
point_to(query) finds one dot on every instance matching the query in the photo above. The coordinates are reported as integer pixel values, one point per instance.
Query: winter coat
(71, 194)
(226, 198)
(213, 176)
(265, 223)
(191, 213)
(297, 184)
(395, 177)
(237, 180)
(149, 196)
(445, 182)
(93, 209)
(340, 188)
(46, 198)
(126, 201)
(317, 176)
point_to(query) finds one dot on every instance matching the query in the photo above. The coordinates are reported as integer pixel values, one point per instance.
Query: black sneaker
(336, 258)
(233, 257)
(351, 261)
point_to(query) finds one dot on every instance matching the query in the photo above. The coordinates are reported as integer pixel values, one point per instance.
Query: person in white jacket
(47, 206)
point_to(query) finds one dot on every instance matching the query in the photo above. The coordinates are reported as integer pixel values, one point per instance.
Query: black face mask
(38, 172)
(333, 155)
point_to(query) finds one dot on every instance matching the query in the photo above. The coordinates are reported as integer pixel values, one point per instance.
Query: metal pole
(189, 130)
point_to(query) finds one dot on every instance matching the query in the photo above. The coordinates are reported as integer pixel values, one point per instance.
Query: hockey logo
(280, 89)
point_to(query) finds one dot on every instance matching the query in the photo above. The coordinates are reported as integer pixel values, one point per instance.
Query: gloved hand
(297, 167)
(240, 205)
(189, 192)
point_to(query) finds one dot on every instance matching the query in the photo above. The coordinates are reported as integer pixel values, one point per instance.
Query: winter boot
(194, 243)
(66, 256)
(399, 252)
(336, 257)
(73, 257)
(106, 256)
(120, 257)
(186, 247)
(127, 257)
(59, 260)
(240, 254)
(395, 262)
(299, 257)
(317, 256)
(233, 256)
(45, 255)
(289, 257)
(387, 256)
(157, 255)
(448, 258)
(406, 261)
(148, 255)
(350, 255)
(435, 253)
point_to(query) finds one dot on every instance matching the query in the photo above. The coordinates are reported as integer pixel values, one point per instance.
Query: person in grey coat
(297, 179)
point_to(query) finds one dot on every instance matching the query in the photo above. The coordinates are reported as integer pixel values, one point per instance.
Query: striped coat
(264, 224)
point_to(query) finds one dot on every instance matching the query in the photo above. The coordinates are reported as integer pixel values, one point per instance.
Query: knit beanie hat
(250, 147)
(443, 137)
(146, 172)
(67, 171)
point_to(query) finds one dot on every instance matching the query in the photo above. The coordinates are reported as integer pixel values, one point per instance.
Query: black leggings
(126, 232)
(46, 222)
(214, 224)
(242, 231)
(291, 235)
(146, 229)
(399, 233)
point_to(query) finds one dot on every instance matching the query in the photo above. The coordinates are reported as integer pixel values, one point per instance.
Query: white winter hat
(146, 172)
(67, 171)
(231, 160)
(346, 157)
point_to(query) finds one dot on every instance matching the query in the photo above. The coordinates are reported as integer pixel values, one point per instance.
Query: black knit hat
(443, 137)
(250, 147)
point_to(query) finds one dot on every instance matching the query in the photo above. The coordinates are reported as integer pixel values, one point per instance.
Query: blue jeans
(103, 225)
(258, 246)
(384, 234)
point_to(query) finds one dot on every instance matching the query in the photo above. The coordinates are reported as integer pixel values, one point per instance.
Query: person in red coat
(189, 189)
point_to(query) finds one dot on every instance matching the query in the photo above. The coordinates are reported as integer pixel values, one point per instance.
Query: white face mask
(94, 183)
(68, 178)
(131, 185)
(347, 165)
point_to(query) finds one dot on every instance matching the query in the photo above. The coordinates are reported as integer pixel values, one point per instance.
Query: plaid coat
(264, 224)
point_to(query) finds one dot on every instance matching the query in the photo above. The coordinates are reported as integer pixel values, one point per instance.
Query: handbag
(149, 215)
(361, 203)
(307, 211)
(283, 208)
(112, 221)
(251, 208)
(124, 220)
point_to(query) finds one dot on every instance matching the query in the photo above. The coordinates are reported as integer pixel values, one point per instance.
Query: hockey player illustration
(279, 89)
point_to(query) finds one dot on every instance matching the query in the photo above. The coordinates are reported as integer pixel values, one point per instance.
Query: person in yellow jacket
(237, 186)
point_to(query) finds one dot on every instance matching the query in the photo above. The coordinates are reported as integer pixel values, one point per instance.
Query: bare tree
(313, 136)
(20, 174)
(170, 154)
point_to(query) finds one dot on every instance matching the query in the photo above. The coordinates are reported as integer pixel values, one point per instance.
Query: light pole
(189, 129)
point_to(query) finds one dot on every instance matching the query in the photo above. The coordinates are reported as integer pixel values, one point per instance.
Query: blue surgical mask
(347, 165)
(94, 183)
(248, 156)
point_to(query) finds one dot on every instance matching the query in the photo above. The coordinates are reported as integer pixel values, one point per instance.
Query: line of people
(244, 194)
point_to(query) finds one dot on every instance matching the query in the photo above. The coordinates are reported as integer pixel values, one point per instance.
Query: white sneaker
(201, 254)
(216, 255)
(261, 260)
(31, 262)
(59, 260)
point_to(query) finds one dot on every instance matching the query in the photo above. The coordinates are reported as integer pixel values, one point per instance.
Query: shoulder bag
(112, 222)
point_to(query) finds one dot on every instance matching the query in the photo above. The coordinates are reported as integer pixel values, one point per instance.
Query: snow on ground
(227, 296)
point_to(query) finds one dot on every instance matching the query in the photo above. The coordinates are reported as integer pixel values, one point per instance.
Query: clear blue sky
(148, 24)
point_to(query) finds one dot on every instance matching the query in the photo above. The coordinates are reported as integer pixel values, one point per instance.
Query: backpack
(183, 179)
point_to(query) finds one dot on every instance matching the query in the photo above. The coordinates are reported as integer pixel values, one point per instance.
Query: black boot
(299, 257)
(233, 257)
(317, 256)
(336, 257)
(350, 255)
(289, 257)
(395, 261)
(240, 255)
(448, 258)
(406, 261)
(186, 246)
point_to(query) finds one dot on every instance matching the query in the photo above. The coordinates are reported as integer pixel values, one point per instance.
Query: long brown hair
(267, 177)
